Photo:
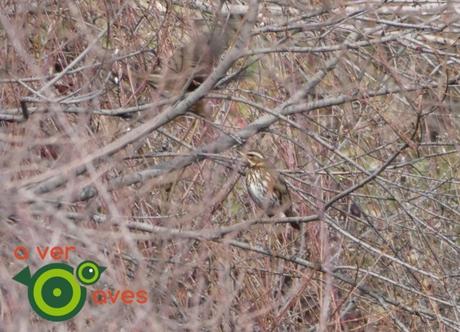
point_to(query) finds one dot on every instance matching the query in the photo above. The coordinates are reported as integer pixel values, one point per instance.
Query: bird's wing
(280, 188)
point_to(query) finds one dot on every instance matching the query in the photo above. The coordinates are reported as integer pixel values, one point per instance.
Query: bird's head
(254, 158)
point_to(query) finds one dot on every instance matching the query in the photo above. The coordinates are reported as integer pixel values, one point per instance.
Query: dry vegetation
(355, 102)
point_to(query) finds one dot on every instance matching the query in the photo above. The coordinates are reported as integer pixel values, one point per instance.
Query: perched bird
(194, 61)
(266, 187)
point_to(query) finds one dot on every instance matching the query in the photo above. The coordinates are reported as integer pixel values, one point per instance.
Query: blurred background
(119, 127)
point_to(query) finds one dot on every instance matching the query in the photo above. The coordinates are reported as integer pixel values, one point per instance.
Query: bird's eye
(255, 156)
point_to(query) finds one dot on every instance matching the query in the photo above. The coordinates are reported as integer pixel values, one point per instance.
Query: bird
(266, 187)
(193, 62)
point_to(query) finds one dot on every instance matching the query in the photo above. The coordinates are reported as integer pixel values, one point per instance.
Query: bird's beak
(244, 157)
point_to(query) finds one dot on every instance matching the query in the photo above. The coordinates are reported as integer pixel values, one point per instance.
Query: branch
(164, 117)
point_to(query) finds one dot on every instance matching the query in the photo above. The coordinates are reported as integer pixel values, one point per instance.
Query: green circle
(57, 292)
(57, 309)
(88, 272)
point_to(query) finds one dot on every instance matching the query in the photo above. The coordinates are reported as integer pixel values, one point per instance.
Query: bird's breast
(258, 188)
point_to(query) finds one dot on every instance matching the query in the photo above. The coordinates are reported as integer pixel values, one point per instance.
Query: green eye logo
(54, 292)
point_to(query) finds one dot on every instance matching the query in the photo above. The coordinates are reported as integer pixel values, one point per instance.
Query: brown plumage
(266, 187)
(192, 63)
